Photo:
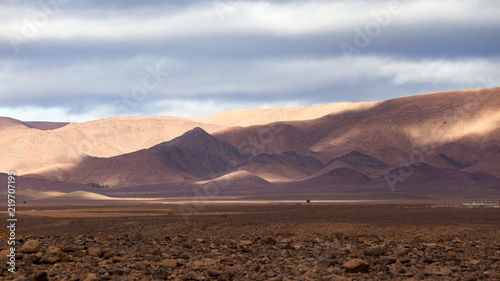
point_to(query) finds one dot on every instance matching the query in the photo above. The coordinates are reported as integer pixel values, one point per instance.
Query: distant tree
(25, 201)
(308, 200)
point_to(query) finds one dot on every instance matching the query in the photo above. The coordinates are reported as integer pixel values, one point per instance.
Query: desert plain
(144, 240)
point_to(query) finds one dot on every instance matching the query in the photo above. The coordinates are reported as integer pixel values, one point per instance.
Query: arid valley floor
(273, 241)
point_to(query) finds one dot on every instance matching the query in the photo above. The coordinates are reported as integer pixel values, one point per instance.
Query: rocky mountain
(448, 140)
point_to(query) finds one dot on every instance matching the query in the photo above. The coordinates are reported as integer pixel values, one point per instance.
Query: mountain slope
(438, 140)
(196, 155)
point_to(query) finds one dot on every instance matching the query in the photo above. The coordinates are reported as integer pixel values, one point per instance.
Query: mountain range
(438, 145)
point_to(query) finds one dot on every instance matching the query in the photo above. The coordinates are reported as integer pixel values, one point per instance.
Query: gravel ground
(255, 242)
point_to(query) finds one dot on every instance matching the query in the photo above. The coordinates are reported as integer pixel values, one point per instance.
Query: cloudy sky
(79, 60)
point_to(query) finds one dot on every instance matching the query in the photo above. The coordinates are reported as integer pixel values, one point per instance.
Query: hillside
(450, 139)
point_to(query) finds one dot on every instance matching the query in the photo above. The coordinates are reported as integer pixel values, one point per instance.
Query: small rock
(118, 259)
(324, 263)
(53, 255)
(356, 265)
(92, 277)
(389, 260)
(268, 240)
(245, 243)
(276, 278)
(156, 252)
(80, 254)
(213, 273)
(169, 263)
(41, 276)
(226, 276)
(3, 254)
(94, 251)
(151, 258)
(117, 271)
(31, 246)
(71, 249)
(420, 238)
(198, 277)
(401, 253)
(271, 274)
(160, 273)
(376, 251)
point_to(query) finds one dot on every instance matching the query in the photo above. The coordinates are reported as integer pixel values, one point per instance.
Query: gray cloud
(90, 57)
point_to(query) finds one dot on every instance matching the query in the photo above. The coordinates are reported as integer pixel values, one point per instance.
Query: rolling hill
(449, 141)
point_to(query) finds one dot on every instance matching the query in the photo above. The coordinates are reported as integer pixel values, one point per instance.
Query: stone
(152, 258)
(41, 276)
(420, 238)
(71, 249)
(402, 252)
(117, 271)
(118, 259)
(324, 263)
(245, 243)
(3, 255)
(276, 278)
(53, 255)
(356, 265)
(80, 254)
(390, 260)
(92, 277)
(268, 240)
(31, 246)
(271, 274)
(376, 251)
(94, 251)
(169, 263)
(226, 276)
(213, 273)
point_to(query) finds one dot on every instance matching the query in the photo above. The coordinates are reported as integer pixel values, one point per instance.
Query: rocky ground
(264, 243)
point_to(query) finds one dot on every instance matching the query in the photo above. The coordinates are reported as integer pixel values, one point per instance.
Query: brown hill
(196, 155)
(287, 166)
(445, 139)
(28, 148)
(339, 177)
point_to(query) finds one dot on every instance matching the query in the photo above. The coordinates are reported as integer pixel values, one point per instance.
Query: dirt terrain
(274, 241)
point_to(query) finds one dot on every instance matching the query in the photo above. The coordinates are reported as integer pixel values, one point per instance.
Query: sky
(81, 60)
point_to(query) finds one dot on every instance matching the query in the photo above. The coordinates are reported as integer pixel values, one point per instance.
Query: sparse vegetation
(98, 185)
